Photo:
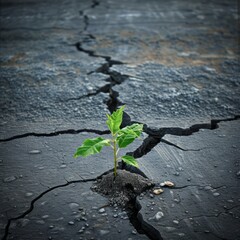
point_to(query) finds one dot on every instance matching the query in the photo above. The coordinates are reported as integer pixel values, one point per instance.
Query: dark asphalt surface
(65, 64)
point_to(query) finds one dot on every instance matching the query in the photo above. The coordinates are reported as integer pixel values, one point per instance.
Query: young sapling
(121, 138)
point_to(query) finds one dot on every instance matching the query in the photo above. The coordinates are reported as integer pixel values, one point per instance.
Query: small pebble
(181, 234)
(158, 216)
(29, 194)
(157, 191)
(104, 232)
(101, 210)
(74, 206)
(34, 152)
(134, 232)
(216, 194)
(71, 223)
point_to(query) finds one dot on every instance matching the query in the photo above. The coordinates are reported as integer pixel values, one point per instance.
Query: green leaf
(130, 160)
(128, 134)
(91, 146)
(115, 120)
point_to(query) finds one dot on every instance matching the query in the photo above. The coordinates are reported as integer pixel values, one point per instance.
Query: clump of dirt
(122, 188)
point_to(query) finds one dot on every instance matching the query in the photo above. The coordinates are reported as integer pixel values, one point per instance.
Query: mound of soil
(123, 188)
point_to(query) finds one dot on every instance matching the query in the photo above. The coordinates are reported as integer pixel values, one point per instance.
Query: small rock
(230, 201)
(115, 215)
(158, 216)
(181, 234)
(63, 166)
(151, 195)
(104, 232)
(85, 219)
(71, 223)
(170, 229)
(157, 191)
(238, 173)
(9, 179)
(101, 210)
(134, 232)
(74, 206)
(29, 194)
(45, 216)
(176, 222)
(216, 194)
(34, 151)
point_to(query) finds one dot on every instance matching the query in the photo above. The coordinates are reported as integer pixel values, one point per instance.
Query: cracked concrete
(175, 65)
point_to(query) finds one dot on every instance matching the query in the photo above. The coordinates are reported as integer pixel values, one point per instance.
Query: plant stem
(115, 157)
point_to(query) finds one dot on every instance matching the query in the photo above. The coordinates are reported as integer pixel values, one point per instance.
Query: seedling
(121, 138)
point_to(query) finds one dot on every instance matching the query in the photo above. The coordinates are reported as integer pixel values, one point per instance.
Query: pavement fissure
(32, 203)
(55, 133)
(155, 135)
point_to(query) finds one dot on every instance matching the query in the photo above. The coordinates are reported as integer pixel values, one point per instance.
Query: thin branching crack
(155, 136)
(180, 148)
(56, 133)
(85, 17)
(31, 207)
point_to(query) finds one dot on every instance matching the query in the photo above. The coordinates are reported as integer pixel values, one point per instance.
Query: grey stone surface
(54, 217)
(205, 202)
(64, 64)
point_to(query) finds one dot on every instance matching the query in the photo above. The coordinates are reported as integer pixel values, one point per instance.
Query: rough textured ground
(65, 63)
(123, 188)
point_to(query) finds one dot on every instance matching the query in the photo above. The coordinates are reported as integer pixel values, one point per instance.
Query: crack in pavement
(155, 135)
(56, 133)
(85, 17)
(183, 149)
(30, 209)
(146, 228)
